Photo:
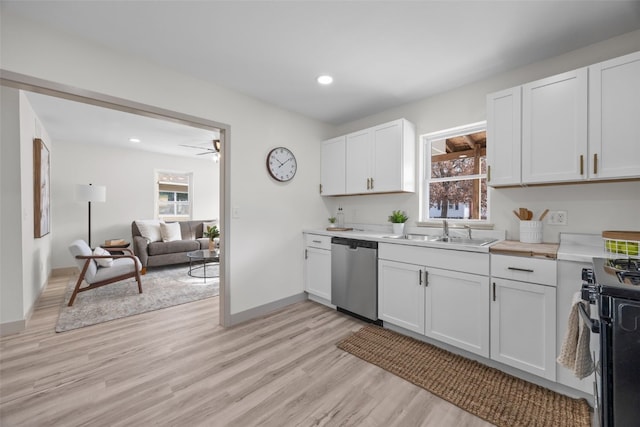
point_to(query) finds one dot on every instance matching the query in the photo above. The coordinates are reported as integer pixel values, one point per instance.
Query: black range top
(618, 277)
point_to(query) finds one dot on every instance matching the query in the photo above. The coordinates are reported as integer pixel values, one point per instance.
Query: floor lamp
(91, 193)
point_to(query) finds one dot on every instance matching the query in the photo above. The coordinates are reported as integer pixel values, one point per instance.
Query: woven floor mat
(486, 392)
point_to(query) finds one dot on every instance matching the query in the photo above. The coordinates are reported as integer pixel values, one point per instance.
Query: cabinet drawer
(524, 269)
(317, 241)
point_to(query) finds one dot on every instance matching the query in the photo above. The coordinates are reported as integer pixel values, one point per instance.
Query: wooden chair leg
(139, 282)
(75, 290)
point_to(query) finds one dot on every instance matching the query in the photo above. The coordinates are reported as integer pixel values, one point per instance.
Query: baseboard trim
(263, 310)
(10, 328)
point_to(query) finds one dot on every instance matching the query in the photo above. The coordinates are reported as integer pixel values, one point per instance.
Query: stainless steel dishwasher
(354, 277)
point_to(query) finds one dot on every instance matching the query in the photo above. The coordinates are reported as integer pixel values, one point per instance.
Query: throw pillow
(150, 229)
(170, 231)
(103, 262)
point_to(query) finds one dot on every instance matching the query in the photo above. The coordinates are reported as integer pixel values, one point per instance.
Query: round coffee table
(201, 258)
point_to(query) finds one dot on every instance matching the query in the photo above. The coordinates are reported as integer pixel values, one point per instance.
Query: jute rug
(161, 287)
(486, 392)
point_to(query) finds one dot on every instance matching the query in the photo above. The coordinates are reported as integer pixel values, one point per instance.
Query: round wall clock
(281, 164)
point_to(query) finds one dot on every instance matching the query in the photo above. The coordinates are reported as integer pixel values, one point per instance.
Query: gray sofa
(154, 254)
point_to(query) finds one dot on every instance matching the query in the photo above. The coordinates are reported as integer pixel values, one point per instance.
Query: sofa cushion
(150, 229)
(162, 248)
(170, 231)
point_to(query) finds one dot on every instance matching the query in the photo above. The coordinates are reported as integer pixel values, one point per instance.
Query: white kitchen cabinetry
(401, 296)
(523, 314)
(554, 128)
(457, 309)
(444, 304)
(614, 118)
(504, 112)
(381, 159)
(317, 267)
(332, 167)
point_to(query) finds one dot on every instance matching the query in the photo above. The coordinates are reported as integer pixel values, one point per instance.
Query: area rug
(161, 287)
(486, 392)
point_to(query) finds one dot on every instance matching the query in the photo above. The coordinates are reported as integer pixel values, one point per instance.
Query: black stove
(614, 286)
(617, 277)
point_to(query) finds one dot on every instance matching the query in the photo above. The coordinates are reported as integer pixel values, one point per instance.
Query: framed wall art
(41, 189)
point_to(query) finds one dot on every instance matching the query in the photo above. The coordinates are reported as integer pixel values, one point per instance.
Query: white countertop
(383, 236)
(581, 247)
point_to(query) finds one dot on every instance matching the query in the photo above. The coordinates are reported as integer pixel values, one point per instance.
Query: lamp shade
(91, 193)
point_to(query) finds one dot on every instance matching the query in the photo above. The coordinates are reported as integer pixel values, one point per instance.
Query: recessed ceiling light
(135, 140)
(325, 80)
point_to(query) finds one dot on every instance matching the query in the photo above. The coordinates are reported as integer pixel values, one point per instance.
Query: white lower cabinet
(457, 311)
(449, 306)
(523, 318)
(401, 298)
(317, 266)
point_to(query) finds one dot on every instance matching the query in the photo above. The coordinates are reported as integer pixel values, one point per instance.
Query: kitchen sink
(441, 239)
(466, 240)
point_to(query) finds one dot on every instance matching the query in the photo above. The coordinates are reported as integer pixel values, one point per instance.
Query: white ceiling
(381, 53)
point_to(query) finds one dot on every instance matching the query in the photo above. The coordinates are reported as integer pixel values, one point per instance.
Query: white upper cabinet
(380, 159)
(359, 161)
(554, 128)
(504, 137)
(614, 118)
(576, 126)
(332, 167)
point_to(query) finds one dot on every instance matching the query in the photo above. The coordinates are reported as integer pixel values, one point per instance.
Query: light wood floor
(177, 367)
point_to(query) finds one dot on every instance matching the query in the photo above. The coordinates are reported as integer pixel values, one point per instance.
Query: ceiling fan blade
(211, 150)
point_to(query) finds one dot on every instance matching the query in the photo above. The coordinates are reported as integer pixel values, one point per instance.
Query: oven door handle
(593, 325)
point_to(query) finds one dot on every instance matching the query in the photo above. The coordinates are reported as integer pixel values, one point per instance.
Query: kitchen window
(455, 174)
(173, 196)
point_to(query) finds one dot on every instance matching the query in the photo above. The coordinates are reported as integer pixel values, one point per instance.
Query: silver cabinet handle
(317, 241)
(426, 278)
(520, 269)
(306, 254)
(494, 291)
(419, 277)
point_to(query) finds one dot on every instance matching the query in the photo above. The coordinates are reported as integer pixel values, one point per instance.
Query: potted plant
(212, 233)
(332, 221)
(397, 220)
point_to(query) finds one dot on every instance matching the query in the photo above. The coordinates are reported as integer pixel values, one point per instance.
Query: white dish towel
(575, 353)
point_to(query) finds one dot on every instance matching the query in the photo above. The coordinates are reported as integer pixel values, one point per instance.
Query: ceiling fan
(215, 150)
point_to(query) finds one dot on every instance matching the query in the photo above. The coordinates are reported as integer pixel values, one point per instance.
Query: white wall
(26, 261)
(265, 248)
(591, 207)
(129, 178)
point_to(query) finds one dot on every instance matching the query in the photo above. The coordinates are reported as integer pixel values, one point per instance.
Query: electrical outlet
(557, 218)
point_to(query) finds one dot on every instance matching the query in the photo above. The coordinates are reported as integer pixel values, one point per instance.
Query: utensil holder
(531, 231)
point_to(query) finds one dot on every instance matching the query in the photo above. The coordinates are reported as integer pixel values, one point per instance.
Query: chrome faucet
(469, 229)
(445, 229)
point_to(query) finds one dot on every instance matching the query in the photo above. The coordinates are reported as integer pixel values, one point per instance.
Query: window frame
(189, 192)
(425, 170)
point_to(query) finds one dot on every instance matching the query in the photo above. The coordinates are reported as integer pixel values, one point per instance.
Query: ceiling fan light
(134, 140)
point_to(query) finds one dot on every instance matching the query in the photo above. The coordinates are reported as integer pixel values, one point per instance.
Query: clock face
(281, 164)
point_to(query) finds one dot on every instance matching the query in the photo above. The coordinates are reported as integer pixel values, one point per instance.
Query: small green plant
(211, 232)
(332, 219)
(398, 217)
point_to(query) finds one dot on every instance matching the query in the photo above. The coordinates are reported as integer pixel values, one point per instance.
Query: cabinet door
(358, 164)
(457, 309)
(523, 326)
(614, 113)
(401, 295)
(332, 166)
(504, 137)
(554, 128)
(317, 278)
(388, 153)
